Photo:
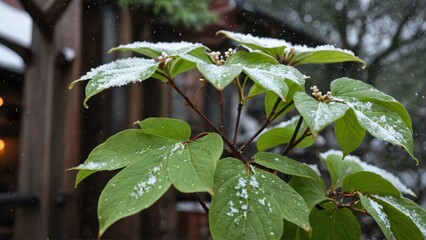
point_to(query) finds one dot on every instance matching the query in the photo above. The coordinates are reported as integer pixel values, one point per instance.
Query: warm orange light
(1, 101)
(1, 144)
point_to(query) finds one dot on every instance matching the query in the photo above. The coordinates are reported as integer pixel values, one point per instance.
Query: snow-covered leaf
(339, 168)
(369, 183)
(382, 123)
(348, 167)
(393, 223)
(409, 208)
(121, 150)
(318, 114)
(219, 76)
(351, 88)
(251, 204)
(321, 54)
(271, 46)
(296, 54)
(154, 50)
(275, 77)
(115, 74)
(132, 190)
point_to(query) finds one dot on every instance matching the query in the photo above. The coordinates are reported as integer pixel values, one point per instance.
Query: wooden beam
(45, 20)
(23, 52)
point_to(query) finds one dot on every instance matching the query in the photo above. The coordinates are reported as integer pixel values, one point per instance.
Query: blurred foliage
(192, 14)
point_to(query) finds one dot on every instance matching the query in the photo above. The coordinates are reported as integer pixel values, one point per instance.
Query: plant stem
(272, 116)
(233, 147)
(222, 115)
(198, 93)
(237, 123)
(290, 144)
(203, 205)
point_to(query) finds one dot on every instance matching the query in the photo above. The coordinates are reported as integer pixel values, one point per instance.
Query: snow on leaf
(272, 77)
(410, 209)
(258, 41)
(376, 211)
(219, 76)
(116, 74)
(371, 168)
(382, 123)
(156, 49)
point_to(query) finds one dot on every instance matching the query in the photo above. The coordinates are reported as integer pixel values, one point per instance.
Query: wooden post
(50, 127)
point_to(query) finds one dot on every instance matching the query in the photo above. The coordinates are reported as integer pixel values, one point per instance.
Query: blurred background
(44, 129)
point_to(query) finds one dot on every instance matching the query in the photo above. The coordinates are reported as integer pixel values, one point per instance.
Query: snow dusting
(306, 49)
(371, 168)
(259, 41)
(170, 48)
(414, 216)
(147, 183)
(119, 72)
(378, 209)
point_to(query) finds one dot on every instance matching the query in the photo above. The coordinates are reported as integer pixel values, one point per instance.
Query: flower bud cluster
(217, 58)
(164, 58)
(317, 94)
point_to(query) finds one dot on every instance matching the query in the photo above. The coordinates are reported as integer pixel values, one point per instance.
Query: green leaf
(193, 169)
(393, 223)
(383, 124)
(336, 223)
(318, 114)
(115, 74)
(350, 88)
(166, 127)
(219, 76)
(251, 204)
(321, 54)
(294, 232)
(133, 189)
(284, 165)
(409, 208)
(271, 46)
(369, 183)
(255, 90)
(339, 168)
(250, 58)
(349, 133)
(272, 77)
(281, 134)
(270, 100)
(121, 150)
(154, 50)
(312, 191)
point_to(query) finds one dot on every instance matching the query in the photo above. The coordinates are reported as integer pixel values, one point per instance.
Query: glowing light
(1, 101)
(1, 145)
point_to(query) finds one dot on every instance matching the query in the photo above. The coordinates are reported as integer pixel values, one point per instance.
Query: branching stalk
(233, 147)
(272, 116)
(237, 123)
(290, 144)
(222, 115)
(202, 203)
